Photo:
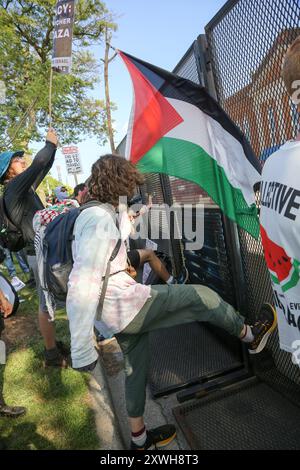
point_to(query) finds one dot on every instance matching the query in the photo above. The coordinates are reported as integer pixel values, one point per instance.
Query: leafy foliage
(26, 29)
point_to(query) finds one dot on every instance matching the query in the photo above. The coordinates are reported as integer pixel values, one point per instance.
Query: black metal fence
(247, 41)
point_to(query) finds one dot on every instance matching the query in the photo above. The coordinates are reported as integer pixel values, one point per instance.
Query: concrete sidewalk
(107, 425)
(107, 389)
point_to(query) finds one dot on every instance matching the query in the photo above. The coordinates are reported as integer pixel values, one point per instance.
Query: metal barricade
(247, 41)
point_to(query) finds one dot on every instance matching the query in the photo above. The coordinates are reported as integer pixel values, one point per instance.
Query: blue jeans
(10, 264)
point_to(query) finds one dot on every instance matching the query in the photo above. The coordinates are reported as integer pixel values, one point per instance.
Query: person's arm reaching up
(36, 172)
(52, 139)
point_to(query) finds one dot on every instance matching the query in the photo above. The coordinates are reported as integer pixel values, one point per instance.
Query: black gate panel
(184, 355)
(247, 41)
(210, 266)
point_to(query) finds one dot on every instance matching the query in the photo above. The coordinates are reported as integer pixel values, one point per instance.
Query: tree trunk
(107, 97)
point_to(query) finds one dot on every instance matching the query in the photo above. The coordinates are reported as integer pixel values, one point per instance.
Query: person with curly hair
(132, 310)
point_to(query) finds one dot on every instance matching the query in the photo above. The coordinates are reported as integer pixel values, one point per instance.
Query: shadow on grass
(22, 435)
(25, 436)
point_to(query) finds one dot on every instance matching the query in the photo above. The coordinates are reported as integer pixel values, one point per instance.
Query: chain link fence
(247, 41)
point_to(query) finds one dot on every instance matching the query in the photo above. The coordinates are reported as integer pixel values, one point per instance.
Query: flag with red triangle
(178, 129)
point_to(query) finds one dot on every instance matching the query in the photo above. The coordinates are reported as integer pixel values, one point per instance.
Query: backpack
(57, 252)
(10, 236)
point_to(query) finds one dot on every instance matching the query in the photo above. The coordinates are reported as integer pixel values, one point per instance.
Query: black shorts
(134, 258)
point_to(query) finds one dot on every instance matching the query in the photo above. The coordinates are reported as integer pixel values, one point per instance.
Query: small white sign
(72, 157)
(64, 64)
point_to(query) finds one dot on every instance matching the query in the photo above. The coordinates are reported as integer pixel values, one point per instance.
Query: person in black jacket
(21, 202)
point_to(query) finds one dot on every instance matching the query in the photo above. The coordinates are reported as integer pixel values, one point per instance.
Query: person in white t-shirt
(280, 217)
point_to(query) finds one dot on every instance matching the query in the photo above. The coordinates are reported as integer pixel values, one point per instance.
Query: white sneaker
(17, 283)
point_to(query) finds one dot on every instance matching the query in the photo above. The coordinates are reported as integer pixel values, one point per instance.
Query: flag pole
(50, 97)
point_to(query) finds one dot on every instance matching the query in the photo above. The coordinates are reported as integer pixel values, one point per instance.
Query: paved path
(107, 389)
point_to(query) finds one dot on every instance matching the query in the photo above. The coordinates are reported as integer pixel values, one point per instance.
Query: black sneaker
(12, 411)
(262, 329)
(158, 437)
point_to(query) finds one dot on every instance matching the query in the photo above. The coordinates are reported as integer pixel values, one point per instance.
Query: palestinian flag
(178, 129)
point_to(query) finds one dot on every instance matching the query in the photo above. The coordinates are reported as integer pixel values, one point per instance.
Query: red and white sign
(72, 157)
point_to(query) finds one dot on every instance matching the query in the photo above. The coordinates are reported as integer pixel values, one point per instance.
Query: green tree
(26, 30)
(50, 183)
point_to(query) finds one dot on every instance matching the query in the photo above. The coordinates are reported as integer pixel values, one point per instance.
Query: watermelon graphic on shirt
(284, 270)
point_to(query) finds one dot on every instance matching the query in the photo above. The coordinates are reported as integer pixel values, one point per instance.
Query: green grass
(59, 413)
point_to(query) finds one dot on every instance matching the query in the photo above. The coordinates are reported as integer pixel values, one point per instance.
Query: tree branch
(8, 2)
(112, 58)
(28, 40)
(46, 44)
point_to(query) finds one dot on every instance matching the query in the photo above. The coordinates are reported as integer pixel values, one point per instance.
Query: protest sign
(63, 34)
(72, 157)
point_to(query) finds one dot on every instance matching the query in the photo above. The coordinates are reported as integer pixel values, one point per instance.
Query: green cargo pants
(168, 306)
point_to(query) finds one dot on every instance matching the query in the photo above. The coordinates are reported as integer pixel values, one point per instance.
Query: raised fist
(52, 137)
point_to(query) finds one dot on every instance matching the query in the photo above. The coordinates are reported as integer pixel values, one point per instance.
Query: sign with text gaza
(72, 157)
(63, 34)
